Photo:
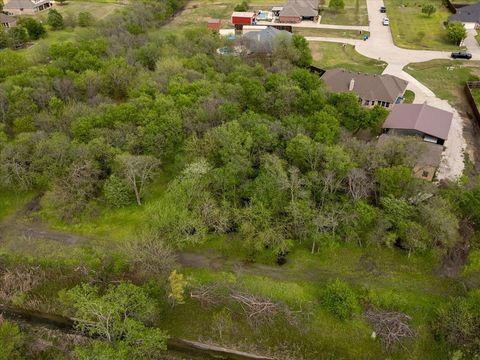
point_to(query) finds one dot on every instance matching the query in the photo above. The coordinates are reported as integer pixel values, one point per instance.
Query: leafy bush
(55, 20)
(340, 299)
(458, 323)
(117, 192)
(11, 340)
(85, 19)
(243, 6)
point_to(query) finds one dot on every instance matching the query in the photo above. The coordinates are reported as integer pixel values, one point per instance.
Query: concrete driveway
(380, 46)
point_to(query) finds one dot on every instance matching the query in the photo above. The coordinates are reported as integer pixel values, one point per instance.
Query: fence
(471, 100)
(453, 7)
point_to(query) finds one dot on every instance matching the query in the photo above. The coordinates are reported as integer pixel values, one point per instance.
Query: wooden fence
(453, 7)
(471, 99)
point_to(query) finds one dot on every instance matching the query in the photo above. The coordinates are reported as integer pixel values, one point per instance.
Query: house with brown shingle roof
(428, 122)
(296, 11)
(26, 7)
(7, 21)
(371, 89)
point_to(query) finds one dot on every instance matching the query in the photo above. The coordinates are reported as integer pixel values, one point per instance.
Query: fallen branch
(391, 327)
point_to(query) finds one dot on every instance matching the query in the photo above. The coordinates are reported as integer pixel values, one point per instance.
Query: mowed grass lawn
(355, 13)
(351, 34)
(413, 30)
(446, 78)
(98, 8)
(333, 55)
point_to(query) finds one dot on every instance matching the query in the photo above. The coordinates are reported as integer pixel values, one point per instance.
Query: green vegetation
(456, 32)
(333, 55)
(409, 97)
(429, 10)
(446, 78)
(174, 191)
(476, 95)
(412, 29)
(352, 34)
(353, 12)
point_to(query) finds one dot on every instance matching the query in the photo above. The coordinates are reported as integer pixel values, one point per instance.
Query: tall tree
(137, 170)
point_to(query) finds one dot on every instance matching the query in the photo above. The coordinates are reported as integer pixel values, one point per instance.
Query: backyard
(352, 34)
(412, 29)
(354, 13)
(333, 55)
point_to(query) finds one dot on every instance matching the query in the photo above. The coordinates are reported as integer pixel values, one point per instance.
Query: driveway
(380, 46)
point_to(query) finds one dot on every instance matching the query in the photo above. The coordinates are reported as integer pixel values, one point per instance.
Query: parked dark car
(383, 9)
(461, 55)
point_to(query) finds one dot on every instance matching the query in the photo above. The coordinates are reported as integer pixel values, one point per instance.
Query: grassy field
(476, 95)
(413, 30)
(333, 55)
(98, 8)
(409, 97)
(355, 13)
(351, 34)
(11, 201)
(446, 78)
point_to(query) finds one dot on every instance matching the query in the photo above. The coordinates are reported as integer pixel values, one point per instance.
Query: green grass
(333, 55)
(413, 30)
(355, 13)
(352, 34)
(98, 8)
(476, 95)
(407, 284)
(11, 201)
(446, 78)
(409, 97)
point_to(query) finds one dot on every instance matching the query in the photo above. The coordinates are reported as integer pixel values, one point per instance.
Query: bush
(55, 20)
(85, 19)
(458, 323)
(340, 299)
(117, 192)
(456, 32)
(243, 6)
(34, 28)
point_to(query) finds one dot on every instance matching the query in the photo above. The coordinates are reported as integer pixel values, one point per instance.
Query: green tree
(305, 55)
(17, 37)
(117, 192)
(336, 5)
(243, 6)
(55, 20)
(429, 9)
(34, 28)
(115, 315)
(11, 339)
(456, 32)
(85, 19)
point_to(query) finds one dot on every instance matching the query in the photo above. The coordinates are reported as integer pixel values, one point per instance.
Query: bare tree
(137, 171)
(359, 185)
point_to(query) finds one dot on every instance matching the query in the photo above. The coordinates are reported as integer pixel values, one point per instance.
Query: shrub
(340, 299)
(11, 339)
(243, 6)
(458, 323)
(456, 32)
(429, 9)
(117, 192)
(336, 5)
(55, 20)
(85, 19)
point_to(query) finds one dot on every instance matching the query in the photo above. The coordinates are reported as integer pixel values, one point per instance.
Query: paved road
(381, 46)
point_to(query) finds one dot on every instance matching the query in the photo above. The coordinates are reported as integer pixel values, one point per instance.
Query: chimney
(352, 84)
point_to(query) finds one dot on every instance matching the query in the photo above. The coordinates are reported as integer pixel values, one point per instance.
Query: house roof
(300, 8)
(470, 13)
(367, 86)
(263, 41)
(5, 19)
(247, 14)
(277, 8)
(420, 117)
(23, 4)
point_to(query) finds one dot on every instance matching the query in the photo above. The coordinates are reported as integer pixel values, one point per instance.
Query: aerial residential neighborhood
(244, 179)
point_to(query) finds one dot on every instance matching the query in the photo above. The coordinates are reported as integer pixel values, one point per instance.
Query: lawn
(476, 95)
(446, 78)
(413, 30)
(409, 97)
(351, 34)
(98, 8)
(332, 55)
(355, 13)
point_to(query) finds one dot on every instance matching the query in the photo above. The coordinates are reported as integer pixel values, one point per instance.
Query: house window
(367, 102)
(387, 104)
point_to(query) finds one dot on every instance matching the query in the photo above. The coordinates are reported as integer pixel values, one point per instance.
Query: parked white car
(386, 22)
